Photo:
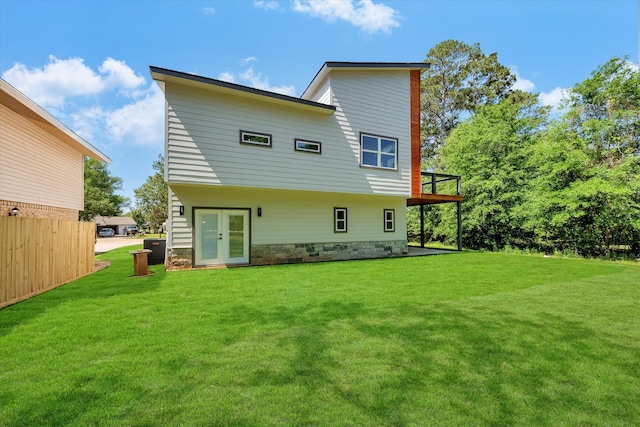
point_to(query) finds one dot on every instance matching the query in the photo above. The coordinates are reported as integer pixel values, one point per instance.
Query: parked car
(131, 230)
(107, 232)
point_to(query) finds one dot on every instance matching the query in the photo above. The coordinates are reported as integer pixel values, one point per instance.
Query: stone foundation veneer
(313, 252)
(179, 258)
(182, 258)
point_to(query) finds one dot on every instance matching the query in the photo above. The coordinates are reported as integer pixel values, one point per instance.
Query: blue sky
(87, 62)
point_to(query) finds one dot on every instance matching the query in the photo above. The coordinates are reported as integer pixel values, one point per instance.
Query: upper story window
(308, 146)
(254, 138)
(378, 151)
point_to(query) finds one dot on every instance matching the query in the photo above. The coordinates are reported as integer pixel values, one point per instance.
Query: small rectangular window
(378, 151)
(389, 220)
(340, 220)
(308, 146)
(254, 138)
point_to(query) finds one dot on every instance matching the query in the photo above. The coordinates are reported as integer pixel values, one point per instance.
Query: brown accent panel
(431, 199)
(416, 179)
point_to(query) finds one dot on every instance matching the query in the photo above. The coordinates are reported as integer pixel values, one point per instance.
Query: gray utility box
(158, 248)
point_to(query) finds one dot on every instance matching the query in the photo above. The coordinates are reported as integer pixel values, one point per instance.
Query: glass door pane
(236, 236)
(208, 237)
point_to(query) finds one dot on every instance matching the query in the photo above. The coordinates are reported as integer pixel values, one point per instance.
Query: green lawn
(460, 339)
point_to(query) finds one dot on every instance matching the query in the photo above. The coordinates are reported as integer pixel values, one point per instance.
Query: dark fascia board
(157, 73)
(364, 65)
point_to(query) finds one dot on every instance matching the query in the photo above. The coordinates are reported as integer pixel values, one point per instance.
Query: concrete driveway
(105, 244)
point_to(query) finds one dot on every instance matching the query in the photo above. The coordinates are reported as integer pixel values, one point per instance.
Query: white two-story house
(257, 177)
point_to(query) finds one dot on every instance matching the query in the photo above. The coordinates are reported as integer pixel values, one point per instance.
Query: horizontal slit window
(254, 138)
(308, 146)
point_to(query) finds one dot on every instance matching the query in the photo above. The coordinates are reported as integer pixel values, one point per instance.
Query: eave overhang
(25, 107)
(369, 66)
(220, 86)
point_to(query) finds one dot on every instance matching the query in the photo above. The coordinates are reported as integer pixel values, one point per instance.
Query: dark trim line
(391, 65)
(412, 65)
(242, 88)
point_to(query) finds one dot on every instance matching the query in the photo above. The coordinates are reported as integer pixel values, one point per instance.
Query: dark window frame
(392, 221)
(379, 151)
(307, 141)
(258, 134)
(337, 221)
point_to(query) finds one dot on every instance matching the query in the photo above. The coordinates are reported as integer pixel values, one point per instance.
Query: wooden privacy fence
(37, 255)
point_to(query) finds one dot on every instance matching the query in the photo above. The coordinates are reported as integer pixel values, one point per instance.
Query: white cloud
(227, 77)
(141, 122)
(521, 83)
(82, 98)
(266, 4)
(554, 97)
(252, 78)
(208, 11)
(118, 75)
(364, 14)
(258, 81)
(50, 85)
(60, 79)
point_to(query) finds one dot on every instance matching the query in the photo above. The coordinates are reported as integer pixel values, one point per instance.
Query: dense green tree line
(565, 183)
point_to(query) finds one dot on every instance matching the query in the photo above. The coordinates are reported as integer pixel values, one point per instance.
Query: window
(255, 138)
(378, 151)
(309, 146)
(340, 220)
(389, 220)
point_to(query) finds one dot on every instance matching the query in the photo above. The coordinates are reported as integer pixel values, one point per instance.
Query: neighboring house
(116, 223)
(41, 160)
(257, 177)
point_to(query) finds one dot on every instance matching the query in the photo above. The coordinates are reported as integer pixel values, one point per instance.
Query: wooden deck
(432, 199)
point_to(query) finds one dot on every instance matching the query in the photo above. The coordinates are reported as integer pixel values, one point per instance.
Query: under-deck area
(439, 188)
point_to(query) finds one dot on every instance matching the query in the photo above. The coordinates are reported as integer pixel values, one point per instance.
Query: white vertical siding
(36, 167)
(203, 137)
(290, 216)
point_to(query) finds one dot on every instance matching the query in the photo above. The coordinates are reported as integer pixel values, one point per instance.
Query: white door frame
(225, 242)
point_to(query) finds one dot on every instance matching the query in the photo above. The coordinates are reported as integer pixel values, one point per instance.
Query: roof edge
(26, 102)
(363, 65)
(157, 71)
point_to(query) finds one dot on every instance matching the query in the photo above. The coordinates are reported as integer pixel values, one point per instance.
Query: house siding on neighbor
(51, 174)
(288, 198)
(41, 160)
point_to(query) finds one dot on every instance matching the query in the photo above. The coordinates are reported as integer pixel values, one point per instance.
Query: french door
(221, 236)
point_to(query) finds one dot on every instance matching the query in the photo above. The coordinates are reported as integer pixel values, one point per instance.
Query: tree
(100, 188)
(490, 150)
(151, 197)
(586, 194)
(460, 80)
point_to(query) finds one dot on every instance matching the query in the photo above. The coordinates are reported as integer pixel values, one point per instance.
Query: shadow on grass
(476, 365)
(115, 280)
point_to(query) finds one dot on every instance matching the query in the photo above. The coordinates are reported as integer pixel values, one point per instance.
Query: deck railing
(430, 185)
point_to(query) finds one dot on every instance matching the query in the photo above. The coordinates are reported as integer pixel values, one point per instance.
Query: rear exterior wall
(203, 137)
(295, 226)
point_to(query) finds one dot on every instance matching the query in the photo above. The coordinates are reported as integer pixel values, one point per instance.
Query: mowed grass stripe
(471, 338)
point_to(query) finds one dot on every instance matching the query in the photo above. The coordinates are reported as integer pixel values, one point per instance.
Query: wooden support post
(459, 227)
(422, 226)
(141, 262)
